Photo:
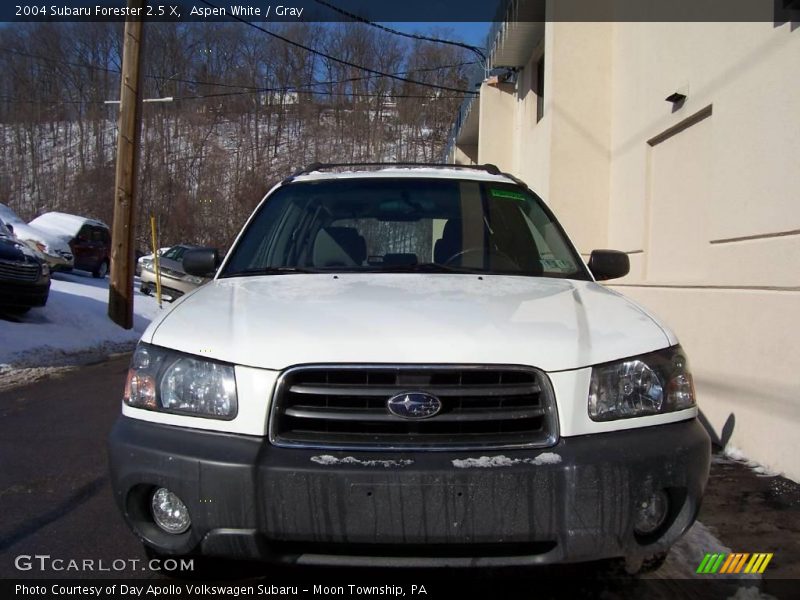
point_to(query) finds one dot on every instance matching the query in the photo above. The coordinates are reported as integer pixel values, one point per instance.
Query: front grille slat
(345, 407)
(19, 272)
(353, 414)
(437, 390)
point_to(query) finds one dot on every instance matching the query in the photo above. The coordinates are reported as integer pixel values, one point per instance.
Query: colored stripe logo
(739, 562)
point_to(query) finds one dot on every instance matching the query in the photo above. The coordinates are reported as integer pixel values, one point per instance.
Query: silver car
(175, 282)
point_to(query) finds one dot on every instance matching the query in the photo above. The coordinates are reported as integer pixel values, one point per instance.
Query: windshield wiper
(423, 268)
(269, 271)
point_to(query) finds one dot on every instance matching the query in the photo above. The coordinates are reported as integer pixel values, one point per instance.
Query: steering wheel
(476, 249)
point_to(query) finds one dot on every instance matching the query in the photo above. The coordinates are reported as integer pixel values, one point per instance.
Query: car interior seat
(339, 247)
(450, 244)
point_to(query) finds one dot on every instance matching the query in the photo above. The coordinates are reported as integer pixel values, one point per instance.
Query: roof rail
(489, 168)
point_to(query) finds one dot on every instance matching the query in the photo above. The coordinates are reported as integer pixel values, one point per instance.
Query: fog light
(651, 513)
(169, 512)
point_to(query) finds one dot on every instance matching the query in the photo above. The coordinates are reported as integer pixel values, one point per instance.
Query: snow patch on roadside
(733, 453)
(72, 329)
(328, 460)
(486, 462)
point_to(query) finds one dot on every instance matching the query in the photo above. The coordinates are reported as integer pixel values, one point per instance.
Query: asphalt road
(55, 497)
(55, 500)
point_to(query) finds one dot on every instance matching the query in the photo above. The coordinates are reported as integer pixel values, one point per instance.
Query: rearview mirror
(609, 264)
(202, 262)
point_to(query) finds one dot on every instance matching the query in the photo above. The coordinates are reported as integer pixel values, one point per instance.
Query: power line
(415, 36)
(288, 89)
(342, 61)
(227, 85)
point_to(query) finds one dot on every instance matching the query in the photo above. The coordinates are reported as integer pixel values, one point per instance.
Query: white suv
(408, 366)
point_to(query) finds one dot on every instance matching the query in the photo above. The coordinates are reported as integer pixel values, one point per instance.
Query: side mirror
(609, 264)
(202, 262)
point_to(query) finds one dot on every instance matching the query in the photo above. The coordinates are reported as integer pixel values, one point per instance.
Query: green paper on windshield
(507, 194)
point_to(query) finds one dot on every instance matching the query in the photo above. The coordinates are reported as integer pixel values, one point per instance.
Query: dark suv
(24, 277)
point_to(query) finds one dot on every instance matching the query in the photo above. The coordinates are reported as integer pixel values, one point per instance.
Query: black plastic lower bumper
(573, 502)
(23, 295)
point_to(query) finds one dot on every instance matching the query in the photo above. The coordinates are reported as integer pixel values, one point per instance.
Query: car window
(84, 233)
(390, 224)
(170, 254)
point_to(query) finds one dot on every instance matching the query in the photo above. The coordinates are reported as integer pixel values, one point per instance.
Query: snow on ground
(73, 328)
(734, 453)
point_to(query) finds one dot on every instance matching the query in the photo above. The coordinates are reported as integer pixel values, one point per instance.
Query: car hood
(278, 321)
(12, 250)
(29, 232)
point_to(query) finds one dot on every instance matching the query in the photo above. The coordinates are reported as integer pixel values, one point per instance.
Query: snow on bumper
(569, 503)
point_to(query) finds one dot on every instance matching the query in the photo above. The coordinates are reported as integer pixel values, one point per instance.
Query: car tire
(101, 271)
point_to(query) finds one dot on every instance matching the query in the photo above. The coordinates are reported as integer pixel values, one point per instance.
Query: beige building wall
(703, 195)
(706, 198)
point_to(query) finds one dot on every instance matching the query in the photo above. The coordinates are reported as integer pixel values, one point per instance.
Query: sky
(471, 33)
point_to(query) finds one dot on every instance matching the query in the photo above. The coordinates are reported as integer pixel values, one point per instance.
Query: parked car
(24, 276)
(411, 364)
(175, 281)
(55, 251)
(89, 239)
(147, 258)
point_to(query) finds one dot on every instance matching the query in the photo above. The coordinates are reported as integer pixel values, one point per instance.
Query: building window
(538, 88)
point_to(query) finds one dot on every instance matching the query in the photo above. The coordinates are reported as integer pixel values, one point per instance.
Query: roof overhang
(513, 39)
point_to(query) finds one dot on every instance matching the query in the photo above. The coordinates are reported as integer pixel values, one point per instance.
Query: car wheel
(101, 271)
(17, 310)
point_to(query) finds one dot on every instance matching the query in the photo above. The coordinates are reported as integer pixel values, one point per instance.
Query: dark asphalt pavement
(55, 497)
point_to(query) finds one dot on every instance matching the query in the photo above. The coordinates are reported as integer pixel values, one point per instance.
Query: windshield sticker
(507, 194)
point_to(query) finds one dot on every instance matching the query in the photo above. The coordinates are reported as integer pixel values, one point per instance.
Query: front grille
(10, 271)
(345, 407)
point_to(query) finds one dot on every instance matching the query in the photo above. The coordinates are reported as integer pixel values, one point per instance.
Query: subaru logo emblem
(414, 405)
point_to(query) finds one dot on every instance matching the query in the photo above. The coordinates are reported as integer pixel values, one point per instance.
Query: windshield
(8, 215)
(404, 224)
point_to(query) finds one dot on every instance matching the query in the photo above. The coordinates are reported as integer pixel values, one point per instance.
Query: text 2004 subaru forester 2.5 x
(408, 366)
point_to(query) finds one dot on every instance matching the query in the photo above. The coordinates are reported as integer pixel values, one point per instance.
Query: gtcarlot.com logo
(740, 562)
(45, 562)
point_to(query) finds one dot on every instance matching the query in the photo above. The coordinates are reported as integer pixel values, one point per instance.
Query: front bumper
(58, 262)
(569, 503)
(24, 295)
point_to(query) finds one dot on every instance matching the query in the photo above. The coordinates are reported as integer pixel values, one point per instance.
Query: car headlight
(45, 270)
(168, 381)
(650, 384)
(193, 279)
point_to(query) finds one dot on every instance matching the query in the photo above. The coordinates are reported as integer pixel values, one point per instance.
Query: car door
(83, 248)
(170, 263)
(98, 246)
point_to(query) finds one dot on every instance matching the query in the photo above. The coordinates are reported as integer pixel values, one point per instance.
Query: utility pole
(120, 291)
